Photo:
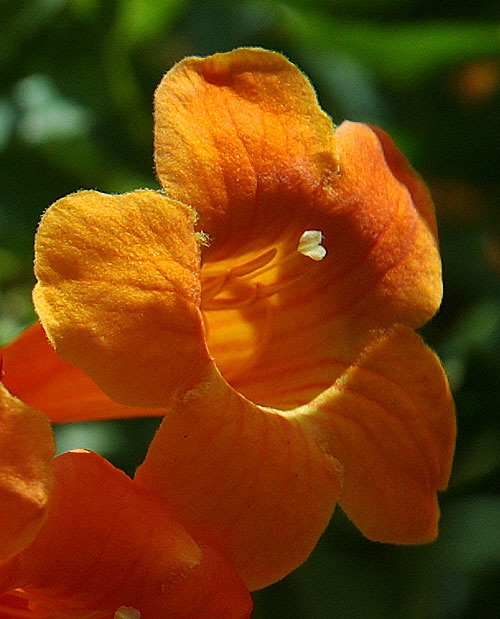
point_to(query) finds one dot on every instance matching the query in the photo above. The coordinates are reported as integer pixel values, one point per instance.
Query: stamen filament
(253, 265)
(256, 291)
(212, 285)
(226, 303)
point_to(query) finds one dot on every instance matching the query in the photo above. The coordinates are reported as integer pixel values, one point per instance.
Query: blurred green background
(77, 78)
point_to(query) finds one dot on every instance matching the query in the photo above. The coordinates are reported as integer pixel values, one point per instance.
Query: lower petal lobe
(245, 478)
(390, 421)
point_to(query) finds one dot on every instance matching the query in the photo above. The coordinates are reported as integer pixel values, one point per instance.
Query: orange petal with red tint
(398, 276)
(241, 138)
(26, 450)
(118, 293)
(242, 477)
(389, 420)
(381, 267)
(36, 374)
(107, 544)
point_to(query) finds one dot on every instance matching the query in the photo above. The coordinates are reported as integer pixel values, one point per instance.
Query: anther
(310, 245)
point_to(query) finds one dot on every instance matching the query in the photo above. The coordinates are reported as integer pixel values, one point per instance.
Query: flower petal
(118, 293)
(241, 138)
(389, 420)
(231, 130)
(399, 271)
(40, 378)
(245, 478)
(26, 450)
(108, 543)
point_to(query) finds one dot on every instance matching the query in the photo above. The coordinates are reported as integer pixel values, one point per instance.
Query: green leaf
(139, 20)
(403, 53)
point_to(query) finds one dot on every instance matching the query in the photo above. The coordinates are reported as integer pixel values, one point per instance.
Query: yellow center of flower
(241, 298)
(237, 286)
(259, 276)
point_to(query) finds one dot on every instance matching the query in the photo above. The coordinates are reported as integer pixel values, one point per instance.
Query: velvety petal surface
(36, 374)
(262, 483)
(108, 543)
(242, 477)
(389, 419)
(118, 293)
(241, 138)
(26, 450)
(234, 130)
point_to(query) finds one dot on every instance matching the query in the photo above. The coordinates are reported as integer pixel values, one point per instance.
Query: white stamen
(127, 612)
(310, 245)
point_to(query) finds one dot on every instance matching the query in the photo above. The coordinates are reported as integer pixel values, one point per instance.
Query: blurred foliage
(75, 111)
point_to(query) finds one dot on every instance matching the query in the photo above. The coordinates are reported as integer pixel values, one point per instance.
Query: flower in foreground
(80, 539)
(265, 303)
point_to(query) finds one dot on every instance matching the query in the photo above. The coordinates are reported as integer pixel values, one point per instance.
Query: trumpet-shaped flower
(265, 303)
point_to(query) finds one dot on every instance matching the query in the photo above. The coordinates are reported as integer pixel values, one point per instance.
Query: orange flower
(79, 539)
(110, 549)
(265, 303)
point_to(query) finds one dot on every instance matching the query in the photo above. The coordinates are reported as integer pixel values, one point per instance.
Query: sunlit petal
(389, 420)
(118, 293)
(246, 478)
(240, 137)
